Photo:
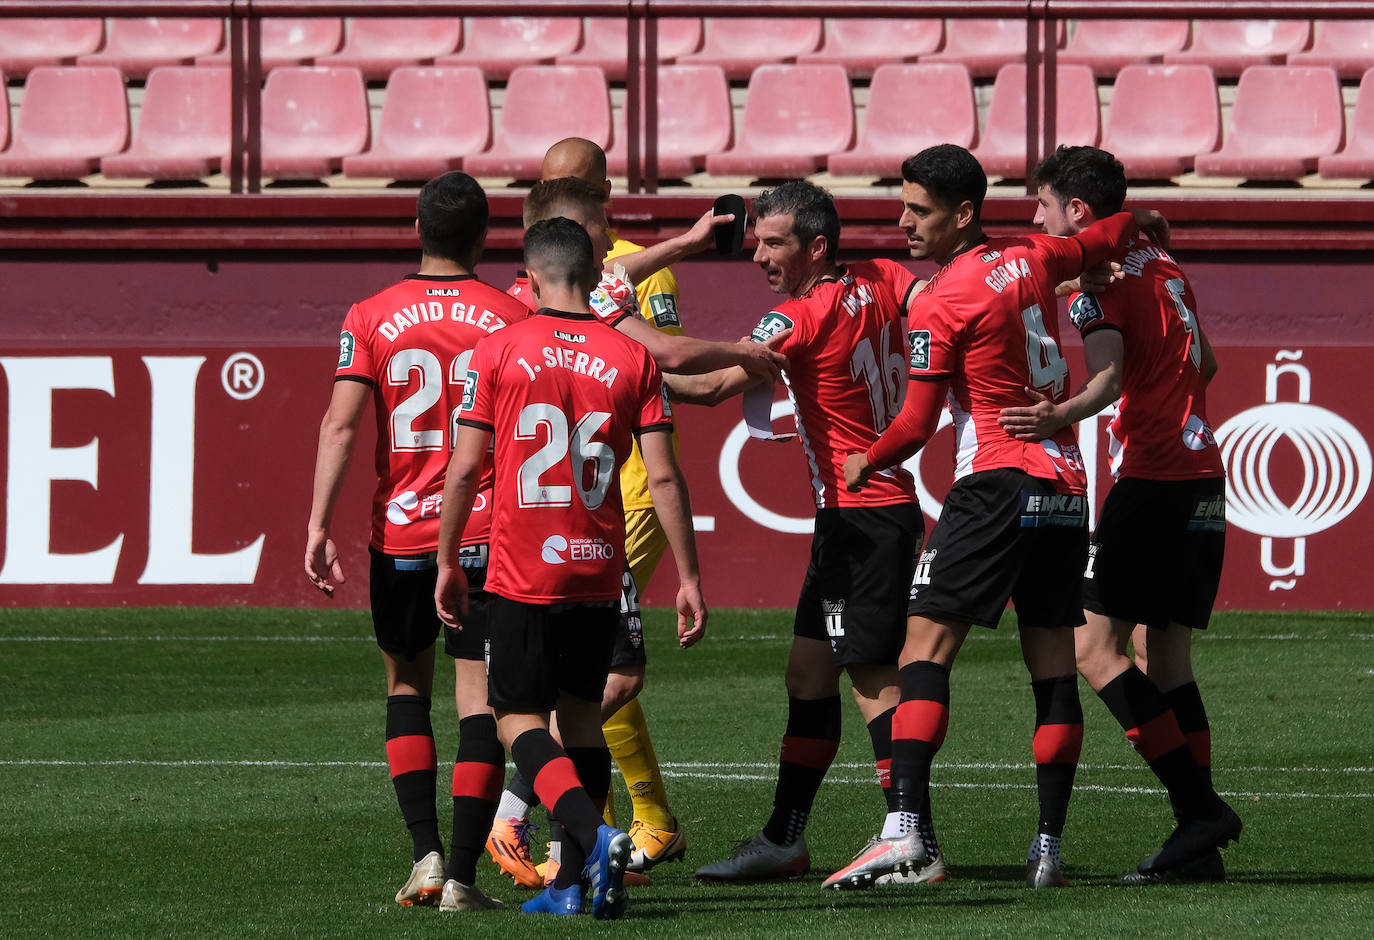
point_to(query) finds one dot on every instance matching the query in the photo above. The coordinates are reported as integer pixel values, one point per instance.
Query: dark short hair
(950, 174)
(547, 196)
(452, 211)
(812, 210)
(561, 251)
(1086, 173)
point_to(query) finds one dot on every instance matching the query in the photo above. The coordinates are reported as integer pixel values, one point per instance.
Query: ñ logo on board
(1336, 469)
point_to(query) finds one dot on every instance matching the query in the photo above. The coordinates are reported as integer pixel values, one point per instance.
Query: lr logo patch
(346, 344)
(771, 325)
(469, 390)
(664, 310)
(920, 349)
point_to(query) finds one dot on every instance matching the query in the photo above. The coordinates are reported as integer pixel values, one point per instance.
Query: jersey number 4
(592, 462)
(1048, 370)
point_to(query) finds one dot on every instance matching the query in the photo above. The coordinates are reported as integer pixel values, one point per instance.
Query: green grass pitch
(220, 773)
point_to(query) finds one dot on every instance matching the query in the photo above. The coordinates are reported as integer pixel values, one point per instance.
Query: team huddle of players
(540, 421)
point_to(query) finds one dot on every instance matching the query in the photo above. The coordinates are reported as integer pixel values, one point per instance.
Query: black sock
(918, 730)
(477, 773)
(1186, 701)
(1057, 744)
(809, 746)
(414, 769)
(880, 733)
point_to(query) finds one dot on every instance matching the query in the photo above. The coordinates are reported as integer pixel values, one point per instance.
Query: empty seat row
(737, 45)
(1163, 120)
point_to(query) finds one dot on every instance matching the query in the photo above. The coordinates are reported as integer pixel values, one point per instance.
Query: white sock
(1042, 846)
(512, 807)
(899, 824)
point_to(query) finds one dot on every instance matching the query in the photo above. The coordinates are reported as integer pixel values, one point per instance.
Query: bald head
(577, 157)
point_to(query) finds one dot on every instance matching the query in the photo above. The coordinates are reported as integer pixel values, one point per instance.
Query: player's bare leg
(478, 770)
(809, 745)
(623, 685)
(413, 762)
(1058, 742)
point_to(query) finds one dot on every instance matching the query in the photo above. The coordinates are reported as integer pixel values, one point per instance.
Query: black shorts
(856, 586)
(1156, 555)
(540, 650)
(402, 593)
(629, 634)
(471, 641)
(1004, 535)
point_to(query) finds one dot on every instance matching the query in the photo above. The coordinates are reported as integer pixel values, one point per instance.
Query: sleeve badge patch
(771, 325)
(469, 390)
(346, 345)
(1084, 310)
(919, 341)
(664, 310)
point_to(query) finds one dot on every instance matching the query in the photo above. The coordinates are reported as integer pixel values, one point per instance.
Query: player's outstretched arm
(668, 489)
(689, 355)
(460, 489)
(640, 264)
(914, 425)
(1104, 353)
(338, 433)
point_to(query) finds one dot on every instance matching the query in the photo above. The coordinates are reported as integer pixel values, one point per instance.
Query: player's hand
(691, 613)
(1092, 281)
(1152, 224)
(702, 234)
(322, 562)
(857, 470)
(762, 360)
(451, 595)
(1033, 422)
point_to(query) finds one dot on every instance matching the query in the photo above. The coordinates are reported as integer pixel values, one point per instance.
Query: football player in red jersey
(1014, 523)
(840, 327)
(559, 398)
(406, 351)
(1155, 557)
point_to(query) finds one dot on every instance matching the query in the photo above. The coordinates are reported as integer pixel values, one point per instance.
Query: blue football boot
(605, 870)
(561, 901)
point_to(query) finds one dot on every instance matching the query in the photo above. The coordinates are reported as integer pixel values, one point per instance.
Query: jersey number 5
(592, 462)
(1175, 286)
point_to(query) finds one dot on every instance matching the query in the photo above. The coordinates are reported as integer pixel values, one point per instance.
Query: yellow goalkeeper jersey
(658, 303)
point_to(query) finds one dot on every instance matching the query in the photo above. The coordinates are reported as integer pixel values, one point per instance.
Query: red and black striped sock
(593, 766)
(1186, 701)
(809, 746)
(880, 733)
(477, 773)
(1143, 712)
(538, 756)
(918, 729)
(414, 768)
(1057, 744)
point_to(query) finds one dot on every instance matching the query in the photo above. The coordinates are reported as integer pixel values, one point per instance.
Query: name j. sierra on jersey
(413, 349)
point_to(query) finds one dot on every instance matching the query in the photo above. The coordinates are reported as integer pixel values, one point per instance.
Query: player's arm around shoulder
(338, 434)
(668, 489)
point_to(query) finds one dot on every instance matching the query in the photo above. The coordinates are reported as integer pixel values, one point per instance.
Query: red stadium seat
(1110, 45)
(136, 47)
(1345, 45)
(498, 45)
(375, 46)
(1356, 161)
(431, 118)
(1161, 117)
(69, 118)
(1283, 120)
(862, 45)
(26, 44)
(1231, 46)
(5, 116)
(741, 45)
(695, 120)
(605, 41)
(544, 104)
(984, 46)
(910, 107)
(794, 115)
(287, 41)
(183, 126)
(1077, 122)
(311, 119)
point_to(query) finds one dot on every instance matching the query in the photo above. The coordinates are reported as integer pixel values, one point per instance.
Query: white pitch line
(186, 639)
(669, 770)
